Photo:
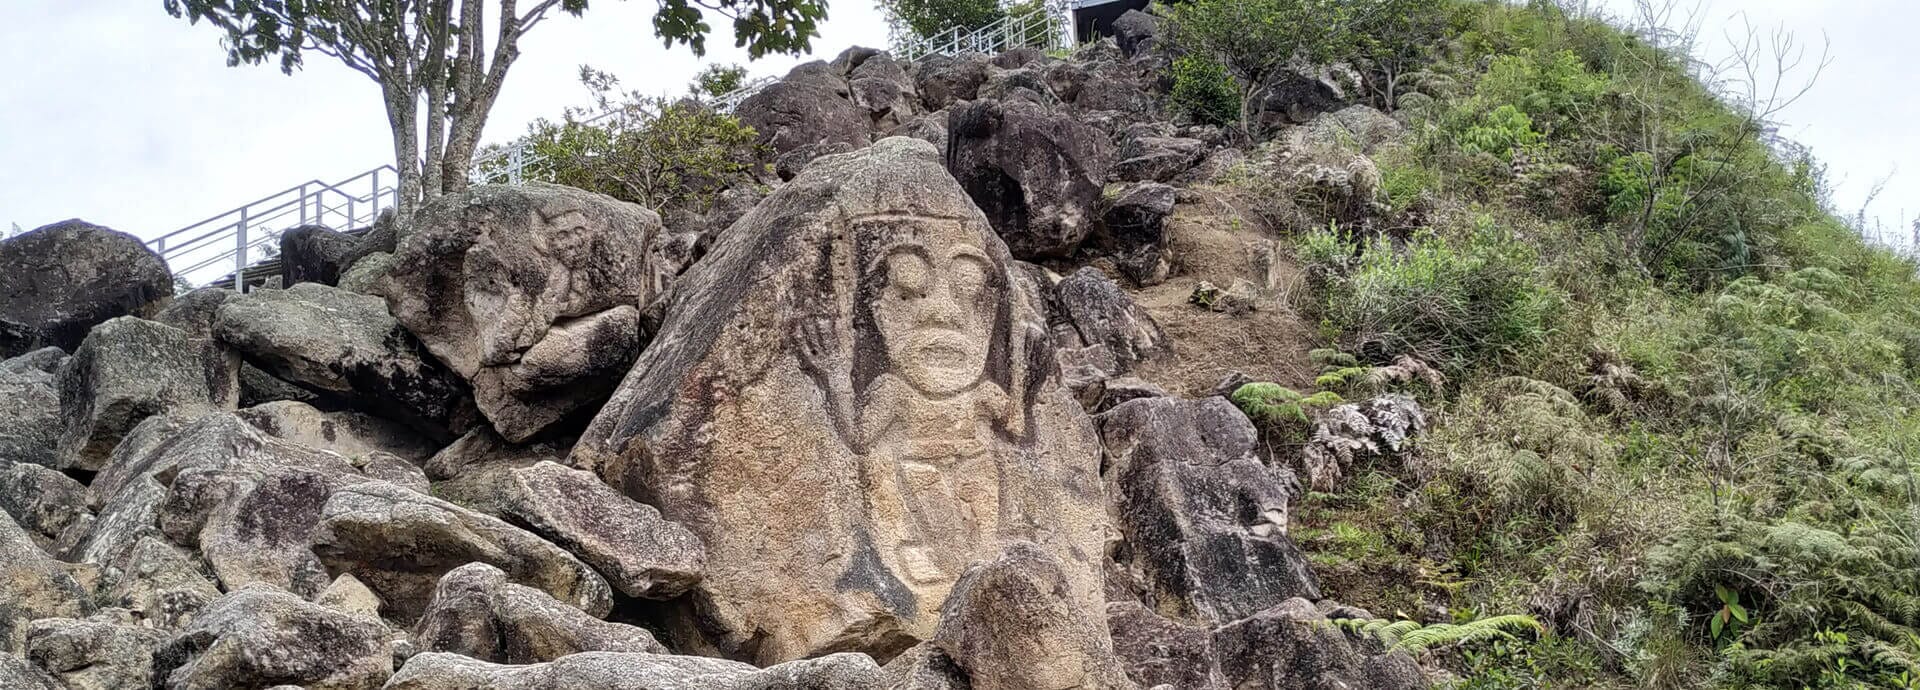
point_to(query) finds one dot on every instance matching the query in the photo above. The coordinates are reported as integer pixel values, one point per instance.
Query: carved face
(936, 315)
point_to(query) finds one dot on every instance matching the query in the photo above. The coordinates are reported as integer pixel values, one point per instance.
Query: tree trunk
(433, 77)
(402, 117)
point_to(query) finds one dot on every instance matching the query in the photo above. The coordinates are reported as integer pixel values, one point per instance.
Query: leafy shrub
(1476, 303)
(1280, 407)
(656, 153)
(936, 17)
(1203, 91)
(717, 80)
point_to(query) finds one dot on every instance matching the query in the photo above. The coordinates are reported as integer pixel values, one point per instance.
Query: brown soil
(1214, 243)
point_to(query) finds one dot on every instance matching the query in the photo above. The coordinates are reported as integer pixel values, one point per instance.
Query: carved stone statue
(532, 293)
(851, 399)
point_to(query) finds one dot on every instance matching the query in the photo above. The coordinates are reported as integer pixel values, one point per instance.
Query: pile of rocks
(523, 440)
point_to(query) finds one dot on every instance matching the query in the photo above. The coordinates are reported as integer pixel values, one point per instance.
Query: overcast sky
(114, 112)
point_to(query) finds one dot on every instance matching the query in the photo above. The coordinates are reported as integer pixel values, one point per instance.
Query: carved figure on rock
(850, 400)
(532, 293)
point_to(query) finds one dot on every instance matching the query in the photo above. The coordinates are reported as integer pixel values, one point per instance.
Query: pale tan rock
(476, 612)
(348, 594)
(850, 399)
(531, 292)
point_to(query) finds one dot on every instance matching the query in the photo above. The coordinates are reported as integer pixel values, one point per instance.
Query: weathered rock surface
(399, 542)
(1134, 233)
(808, 113)
(32, 586)
(314, 254)
(44, 501)
(1135, 32)
(29, 417)
(473, 472)
(1103, 314)
(104, 652)
(259, 637)
(633, 671)
(854, 358)
(532, 293)
(57, 281)
(126, 370)
(45, 361)
(194, 312)
(627, 542)
(475, 611)
(1013, 622)
(344, 343)
(1204, 521)
(1293, 646)
(943, 79)
(1035, 172)
(349, 433)
(1156, 651)
(17, 674)
(158, 583)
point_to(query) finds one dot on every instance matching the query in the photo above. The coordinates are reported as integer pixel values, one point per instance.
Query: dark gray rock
(806, 114)
(106, 651)
(126, 370)
(1035, 172)
(1291, 645)
(57, 281)
(943, 79)
(634, 671)
(1157, 159)
(346, 344)
(259, 637)
(1135, 31)
(315, 254)
(377, 532)
(1121, 389)
(1157, 651)
(17, 674)
(194, 312)
(1016, 58)
(1203, 521)
(160, 584)
(640, 553)
(475, 611)
(1133, 232)
(1103, 314)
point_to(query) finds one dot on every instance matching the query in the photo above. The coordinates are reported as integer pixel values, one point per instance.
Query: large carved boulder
(400, 542)
(475, 611)
(57, 281)
(635, 671)
(129, 369)
(1035, 172)
(259, 637)
(532, 293)
(345, 344)
(850, 399)
(1203, 521)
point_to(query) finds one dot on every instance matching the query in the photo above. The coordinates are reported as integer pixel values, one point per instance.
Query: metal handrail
(1037, 28)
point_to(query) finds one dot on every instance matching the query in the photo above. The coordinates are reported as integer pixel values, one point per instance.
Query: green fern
(1280, 406)
(1414, 638)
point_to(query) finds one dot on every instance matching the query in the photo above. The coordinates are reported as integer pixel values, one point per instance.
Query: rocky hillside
(1003, 372)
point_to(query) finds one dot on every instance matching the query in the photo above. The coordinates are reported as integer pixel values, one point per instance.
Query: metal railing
(224, 245)
(203, 251)
(1035, 28)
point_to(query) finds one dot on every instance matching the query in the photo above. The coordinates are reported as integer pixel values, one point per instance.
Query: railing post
(376, 200)
(303, 203)
(240, 254)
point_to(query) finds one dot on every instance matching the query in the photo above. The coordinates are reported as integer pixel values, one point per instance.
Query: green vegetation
(1413, 637)
(935, 17)
(717, 80)
(1203, 92)
(654, 152)
(1676, 400)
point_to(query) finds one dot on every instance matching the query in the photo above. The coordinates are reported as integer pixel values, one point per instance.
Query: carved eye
(966, 276)
(909, 274)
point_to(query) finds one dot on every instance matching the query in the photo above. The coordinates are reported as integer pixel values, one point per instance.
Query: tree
(1395, 37)
(1258, 40)
(652, 151)
(935, 17)
(435, 52)
(717, 80)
